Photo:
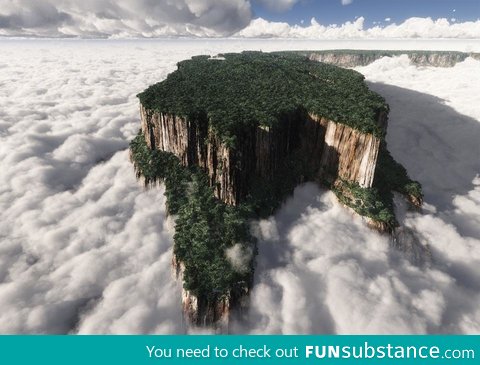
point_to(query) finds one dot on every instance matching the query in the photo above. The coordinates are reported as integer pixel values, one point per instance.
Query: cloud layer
(85, 249)
(196, 18)
(410, 28)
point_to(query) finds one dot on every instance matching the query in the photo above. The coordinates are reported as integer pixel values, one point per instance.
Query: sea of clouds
(83, 248)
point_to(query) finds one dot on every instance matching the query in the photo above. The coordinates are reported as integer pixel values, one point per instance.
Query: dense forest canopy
(205, 228)
(236, 90)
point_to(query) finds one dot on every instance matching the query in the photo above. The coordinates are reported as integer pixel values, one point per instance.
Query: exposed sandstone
(200, 312)
(345, 58)
(333, 149)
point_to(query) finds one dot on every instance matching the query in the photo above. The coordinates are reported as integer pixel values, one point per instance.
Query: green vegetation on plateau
(244, 89)
(377, 202)
(235, 92)
(205, 227)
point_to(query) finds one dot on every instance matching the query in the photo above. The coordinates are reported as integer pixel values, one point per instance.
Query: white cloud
(347, 2)
(260, 28)
(388, 19)
(82, 247)
(410, 28)
(85, 249)
(123, 18)
(239, 257)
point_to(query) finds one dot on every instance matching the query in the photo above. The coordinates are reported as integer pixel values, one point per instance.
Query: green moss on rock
(376, 202)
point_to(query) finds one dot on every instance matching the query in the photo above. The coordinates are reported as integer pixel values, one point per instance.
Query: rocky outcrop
(201, 312)
(345, 58)
(348, 154)
(415, 201)
(332, 149)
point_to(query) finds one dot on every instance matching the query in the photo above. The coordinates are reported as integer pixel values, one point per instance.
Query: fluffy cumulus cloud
(261, 28)
(410, 28)
(85, 249)
(123, 18)
(196, 18)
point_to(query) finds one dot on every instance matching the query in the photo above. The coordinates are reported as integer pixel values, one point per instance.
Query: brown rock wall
(333, 149)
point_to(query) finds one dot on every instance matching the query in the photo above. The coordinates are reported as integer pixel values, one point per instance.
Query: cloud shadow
(439, 146)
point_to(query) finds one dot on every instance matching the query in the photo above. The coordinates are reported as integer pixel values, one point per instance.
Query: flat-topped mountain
(232, 135)
(354, 58)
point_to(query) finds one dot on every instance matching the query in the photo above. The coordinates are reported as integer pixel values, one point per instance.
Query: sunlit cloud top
(223, 18)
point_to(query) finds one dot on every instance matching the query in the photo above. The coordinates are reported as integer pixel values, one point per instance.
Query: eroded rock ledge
(355, 58)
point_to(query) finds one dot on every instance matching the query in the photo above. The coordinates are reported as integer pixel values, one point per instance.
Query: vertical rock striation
(332, 149)
(195, 144)
(355, 58)
(347, 154)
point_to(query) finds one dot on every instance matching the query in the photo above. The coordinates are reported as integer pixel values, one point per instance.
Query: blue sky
(333, 12)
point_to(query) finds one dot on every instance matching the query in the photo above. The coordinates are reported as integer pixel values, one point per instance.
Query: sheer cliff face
(333, 150)
(347, 153)
(354, 59)
(195, 145)
(344, 60)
